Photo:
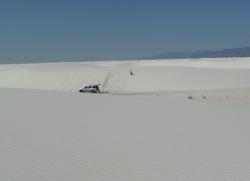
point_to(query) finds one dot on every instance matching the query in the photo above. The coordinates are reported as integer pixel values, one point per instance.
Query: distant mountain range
(234, 52)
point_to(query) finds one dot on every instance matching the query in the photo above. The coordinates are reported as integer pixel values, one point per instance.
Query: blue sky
(53, 30)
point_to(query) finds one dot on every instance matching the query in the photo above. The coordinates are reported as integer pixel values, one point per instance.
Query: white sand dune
(150, 76)
(57, 134)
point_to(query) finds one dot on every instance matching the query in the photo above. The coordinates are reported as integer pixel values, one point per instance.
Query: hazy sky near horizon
(48, 30)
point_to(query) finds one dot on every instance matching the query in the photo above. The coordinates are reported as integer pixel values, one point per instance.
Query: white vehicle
(91, 89)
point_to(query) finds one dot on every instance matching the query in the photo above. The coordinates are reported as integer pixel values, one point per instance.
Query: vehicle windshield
(91, 86)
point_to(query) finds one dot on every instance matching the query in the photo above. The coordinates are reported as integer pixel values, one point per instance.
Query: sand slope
(150, 76)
